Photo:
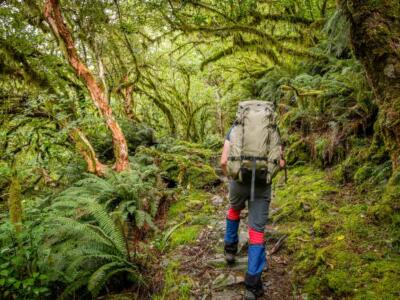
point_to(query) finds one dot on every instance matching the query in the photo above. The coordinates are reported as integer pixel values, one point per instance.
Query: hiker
(251, 156)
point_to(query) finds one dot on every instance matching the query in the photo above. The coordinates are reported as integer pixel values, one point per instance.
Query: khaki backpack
(255, 142)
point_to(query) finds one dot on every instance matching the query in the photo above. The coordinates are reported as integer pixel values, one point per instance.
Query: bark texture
(54, 18)
(126, 93)
(375, 37)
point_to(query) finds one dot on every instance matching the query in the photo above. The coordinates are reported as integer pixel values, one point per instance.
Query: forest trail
(202, 262)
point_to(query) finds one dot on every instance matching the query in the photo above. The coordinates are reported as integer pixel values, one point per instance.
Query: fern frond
(99, 277)
(108, 226)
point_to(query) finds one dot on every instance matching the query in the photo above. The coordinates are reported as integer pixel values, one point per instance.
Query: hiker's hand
(223, 167)
(282, 163)
(224, 158)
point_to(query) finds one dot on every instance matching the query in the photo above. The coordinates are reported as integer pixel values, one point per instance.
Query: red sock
(233, 214)
(256, 237)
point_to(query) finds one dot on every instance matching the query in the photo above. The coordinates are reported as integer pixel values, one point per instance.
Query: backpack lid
(255, 103)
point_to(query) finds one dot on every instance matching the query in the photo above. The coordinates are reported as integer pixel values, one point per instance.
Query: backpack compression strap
(243, 157)
(253, 179)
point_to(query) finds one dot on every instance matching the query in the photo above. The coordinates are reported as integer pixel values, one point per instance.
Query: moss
(338, 246)
(194, 207)
(177, 209)
(184, 235)
(363, 173)
(298, 150)
(176, 285)
(354, 220)
(14, 204)
(340, 282)
(391, 193)
(188, 202)
(299, 199)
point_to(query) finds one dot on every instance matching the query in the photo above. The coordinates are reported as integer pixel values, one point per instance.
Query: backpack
(255, 143)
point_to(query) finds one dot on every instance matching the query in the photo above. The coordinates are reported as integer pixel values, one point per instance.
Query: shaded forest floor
(324, 241)
(322, 244)
(195, 265)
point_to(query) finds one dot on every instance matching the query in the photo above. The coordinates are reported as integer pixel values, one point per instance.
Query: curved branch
(56, 22)
(285, 18)
(233, 28)
(270, 53)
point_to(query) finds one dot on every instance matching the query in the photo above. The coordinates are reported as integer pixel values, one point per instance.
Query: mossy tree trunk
(54, 18)
(375, 37)
(127, 94)
(15, 204)
(86, 150)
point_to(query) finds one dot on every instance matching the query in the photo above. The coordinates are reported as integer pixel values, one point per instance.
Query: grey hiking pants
(239, 193)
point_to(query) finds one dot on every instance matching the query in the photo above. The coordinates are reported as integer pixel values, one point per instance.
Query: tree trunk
(126, 93)
(54, 18)
(14, 204)
(219, 114)
(375, 37)
(86, 150)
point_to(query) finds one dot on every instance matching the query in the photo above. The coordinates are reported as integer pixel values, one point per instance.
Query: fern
(124, 192)
(91, 250)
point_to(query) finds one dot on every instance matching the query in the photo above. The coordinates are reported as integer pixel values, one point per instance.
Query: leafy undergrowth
(93, 237)
(338, 248)
(187, 164)
(186, 218)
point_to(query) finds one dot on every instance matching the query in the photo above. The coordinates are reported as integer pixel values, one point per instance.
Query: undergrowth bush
(186, 164)
(76, 241)
(136, 134)
(323, 105)
(22, 270)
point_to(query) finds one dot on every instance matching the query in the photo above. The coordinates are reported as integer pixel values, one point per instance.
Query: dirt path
(203, 262)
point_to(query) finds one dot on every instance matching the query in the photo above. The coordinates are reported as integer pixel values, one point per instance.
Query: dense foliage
(111, 110)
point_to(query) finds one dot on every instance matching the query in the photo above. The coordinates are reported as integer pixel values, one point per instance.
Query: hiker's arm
(282, 161)
(224, 157)
(277, 148)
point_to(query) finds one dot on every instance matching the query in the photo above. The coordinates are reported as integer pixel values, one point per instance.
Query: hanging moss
(14, 204)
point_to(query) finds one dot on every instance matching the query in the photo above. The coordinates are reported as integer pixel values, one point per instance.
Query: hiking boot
(253, 295)
(254, 287)
(230, 258)
(230, 251)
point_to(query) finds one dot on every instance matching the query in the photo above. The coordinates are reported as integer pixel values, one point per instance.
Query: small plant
(21, 275)
(89, 248)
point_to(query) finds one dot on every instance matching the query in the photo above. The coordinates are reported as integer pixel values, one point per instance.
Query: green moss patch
(184, 235)
(339, 247)
(176, 285)
(186, 219)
